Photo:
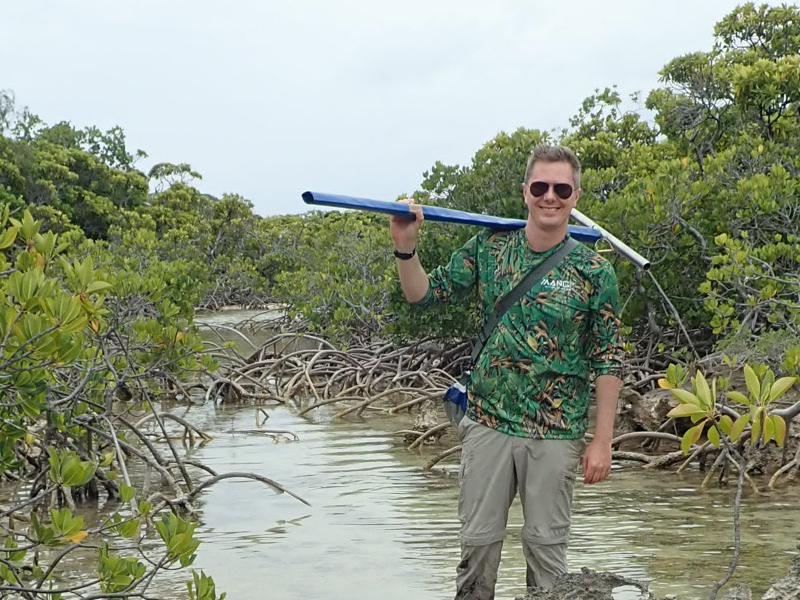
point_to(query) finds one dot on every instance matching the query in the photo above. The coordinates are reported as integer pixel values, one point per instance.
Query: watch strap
(405, 255)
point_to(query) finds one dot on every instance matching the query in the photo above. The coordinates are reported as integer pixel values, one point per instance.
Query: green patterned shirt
(533, 377)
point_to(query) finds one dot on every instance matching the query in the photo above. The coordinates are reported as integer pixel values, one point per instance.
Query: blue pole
(434, 213)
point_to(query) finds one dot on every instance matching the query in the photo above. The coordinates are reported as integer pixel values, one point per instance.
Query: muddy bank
(589, 585)
(593, 585)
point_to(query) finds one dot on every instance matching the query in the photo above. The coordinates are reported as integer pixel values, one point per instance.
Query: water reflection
(380, 526)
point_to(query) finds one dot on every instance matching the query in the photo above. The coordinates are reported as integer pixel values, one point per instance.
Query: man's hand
(413, 279)
(596, 461)
(404, 231)
(597, 458)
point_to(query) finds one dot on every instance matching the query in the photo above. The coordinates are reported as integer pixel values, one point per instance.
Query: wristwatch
(405, 255)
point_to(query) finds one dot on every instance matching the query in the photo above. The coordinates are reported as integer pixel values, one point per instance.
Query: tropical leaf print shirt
(534, 374)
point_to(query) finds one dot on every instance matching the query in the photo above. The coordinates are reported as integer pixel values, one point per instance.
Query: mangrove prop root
(273, 433)
(313, 374)
(239, 475)
(430, 432)
(441, 456)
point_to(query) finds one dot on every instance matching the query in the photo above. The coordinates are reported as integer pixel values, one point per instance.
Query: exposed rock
(427, 417)
(787, 588)
(587, 585)
(740, 591)
(643, 413)
(593, 585)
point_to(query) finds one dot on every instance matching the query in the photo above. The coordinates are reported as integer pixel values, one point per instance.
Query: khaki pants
(494, 466)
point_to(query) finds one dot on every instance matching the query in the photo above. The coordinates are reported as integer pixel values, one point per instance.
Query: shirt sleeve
(455, 279)
(606, 352)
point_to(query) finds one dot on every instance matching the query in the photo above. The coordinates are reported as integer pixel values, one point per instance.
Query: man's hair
(545, 153)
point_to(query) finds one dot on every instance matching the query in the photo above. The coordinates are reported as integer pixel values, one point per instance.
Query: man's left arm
(597, 458)
(606, 364)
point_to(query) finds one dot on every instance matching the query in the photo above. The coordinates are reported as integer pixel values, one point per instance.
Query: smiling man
(529, 390)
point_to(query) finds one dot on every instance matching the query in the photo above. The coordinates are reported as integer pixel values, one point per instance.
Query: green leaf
(780, 387)
(780, 429)
(71, 471)
(129, 529)
(71, 524)
(126, 492)
(685, 410)
(738, 397)
(29, 227)
(769, 429)
(757, 427)
(725, 424)
(14, 557)
(88, 472)
(46, 245)
(8, 576)
(751, 379)
(738, 428)
(713, 436)
(163, 531)
(60, 519)
(68, 470)
(685, 397)
(766, 386)
(96, 286)
(703, 391)
(691, 436)
(8, 237)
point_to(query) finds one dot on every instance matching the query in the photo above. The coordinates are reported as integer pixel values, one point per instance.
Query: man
(529, 391)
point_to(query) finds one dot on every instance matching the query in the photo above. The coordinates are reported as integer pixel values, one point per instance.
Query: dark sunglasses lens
(539, 188)
(563, 190)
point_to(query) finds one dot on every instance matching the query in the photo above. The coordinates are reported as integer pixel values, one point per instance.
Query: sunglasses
(562, 190)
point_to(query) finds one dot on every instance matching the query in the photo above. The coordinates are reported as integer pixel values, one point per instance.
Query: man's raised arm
(413, 279)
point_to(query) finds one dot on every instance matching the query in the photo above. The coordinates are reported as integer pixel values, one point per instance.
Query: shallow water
(381, 527)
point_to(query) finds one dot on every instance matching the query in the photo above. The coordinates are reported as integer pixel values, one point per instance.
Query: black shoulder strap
(518, 292)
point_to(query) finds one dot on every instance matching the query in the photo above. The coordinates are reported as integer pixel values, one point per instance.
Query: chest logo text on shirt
(557, 284)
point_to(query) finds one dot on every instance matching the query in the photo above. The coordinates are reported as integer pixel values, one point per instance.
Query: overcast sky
(268, 99)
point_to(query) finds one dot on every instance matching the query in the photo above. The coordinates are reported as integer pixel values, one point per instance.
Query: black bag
(455, 398)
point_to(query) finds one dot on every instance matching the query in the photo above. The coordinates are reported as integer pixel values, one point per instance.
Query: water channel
(379, 527)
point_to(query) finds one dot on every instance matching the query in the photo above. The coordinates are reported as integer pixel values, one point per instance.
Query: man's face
(549, 211)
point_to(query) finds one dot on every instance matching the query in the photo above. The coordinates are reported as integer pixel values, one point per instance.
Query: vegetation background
(102, 266)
